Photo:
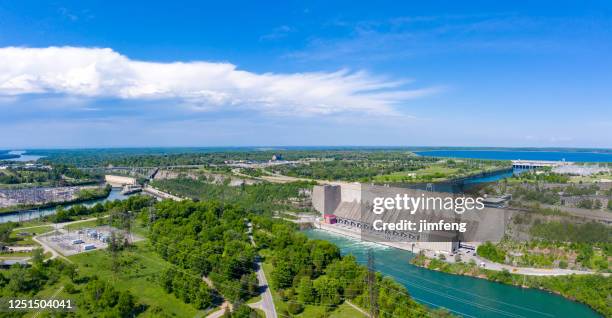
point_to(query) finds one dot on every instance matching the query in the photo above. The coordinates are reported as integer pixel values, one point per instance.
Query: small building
(8, 263)
(494, 202)
(329, 218)
(89, 247)
(78, 241)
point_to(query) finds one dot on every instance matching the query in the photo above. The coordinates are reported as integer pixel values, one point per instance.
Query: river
(23, 157)
(573, 156)
(462, 185)
(465, 296)
(115, 194)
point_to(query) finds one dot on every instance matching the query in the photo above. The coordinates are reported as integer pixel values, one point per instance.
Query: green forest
(210, 239)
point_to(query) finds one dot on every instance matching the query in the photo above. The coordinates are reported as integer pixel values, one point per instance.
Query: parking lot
(83, 240)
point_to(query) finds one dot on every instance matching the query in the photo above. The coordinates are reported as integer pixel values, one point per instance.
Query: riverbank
(85, 195)
(571, 287)
(494, 267)
(462, 295)
(591, 290)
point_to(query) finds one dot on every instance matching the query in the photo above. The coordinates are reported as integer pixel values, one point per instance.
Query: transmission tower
(151, 217)
(373, 290)
(429, 187)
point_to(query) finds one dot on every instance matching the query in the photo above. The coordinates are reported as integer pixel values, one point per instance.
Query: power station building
(344, 209)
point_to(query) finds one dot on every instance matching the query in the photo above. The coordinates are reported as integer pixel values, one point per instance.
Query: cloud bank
(104, 73)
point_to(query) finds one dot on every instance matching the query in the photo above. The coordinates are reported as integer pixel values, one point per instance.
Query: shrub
(295, 308)
(491, 252)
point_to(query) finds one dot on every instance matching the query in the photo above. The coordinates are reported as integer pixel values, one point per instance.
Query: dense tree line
(153, 157)
(574, 190)
(94, 297)
(256, 198)
(354, 169)
(132, 204)
(209, 239)
(206, 239)
(187, 287)
(5, 232)
(58, 175)
(537, 176)
(25, 281)
(537, 195)
(312, 272)
(591, 204)
(101, 299)
(565, 231)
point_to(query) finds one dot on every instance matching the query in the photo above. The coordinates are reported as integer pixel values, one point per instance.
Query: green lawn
(27, 240)
(14, 255)
(138, 274)
(312, 311)
(80, 225)
(254, 299)
(431, 173)
(34, 222)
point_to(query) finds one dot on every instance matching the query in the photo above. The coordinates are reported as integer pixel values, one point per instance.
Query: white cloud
(278, 33)
(95, 72)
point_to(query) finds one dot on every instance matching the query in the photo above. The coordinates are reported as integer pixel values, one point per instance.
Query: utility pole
(151, 217)
(372, 289)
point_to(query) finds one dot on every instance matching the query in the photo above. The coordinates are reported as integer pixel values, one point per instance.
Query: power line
(373, 292)
(459, 290)
(455, 298)
(470, 293)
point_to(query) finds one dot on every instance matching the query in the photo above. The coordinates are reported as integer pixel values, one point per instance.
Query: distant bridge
(533, 164)
(160, 194)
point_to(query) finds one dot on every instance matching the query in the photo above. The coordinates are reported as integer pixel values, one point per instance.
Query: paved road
(47, 248)
(221, 312)
(529, 271)
(465, 257)
(357, 308)
(60, 225)
(267, 303)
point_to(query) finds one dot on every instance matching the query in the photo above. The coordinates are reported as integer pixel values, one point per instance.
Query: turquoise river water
(464, 296)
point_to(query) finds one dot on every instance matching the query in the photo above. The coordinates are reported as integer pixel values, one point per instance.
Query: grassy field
(312, 311)
(431, 173)
(27, 240)
(138, 274)
(14, 255)
(34, 222)
(600, 177)
(80, 225)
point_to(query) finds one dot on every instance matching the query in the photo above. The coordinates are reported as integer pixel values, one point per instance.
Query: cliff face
(207, 176)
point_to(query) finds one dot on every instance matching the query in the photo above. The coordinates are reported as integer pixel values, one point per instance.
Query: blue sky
(438, 73)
